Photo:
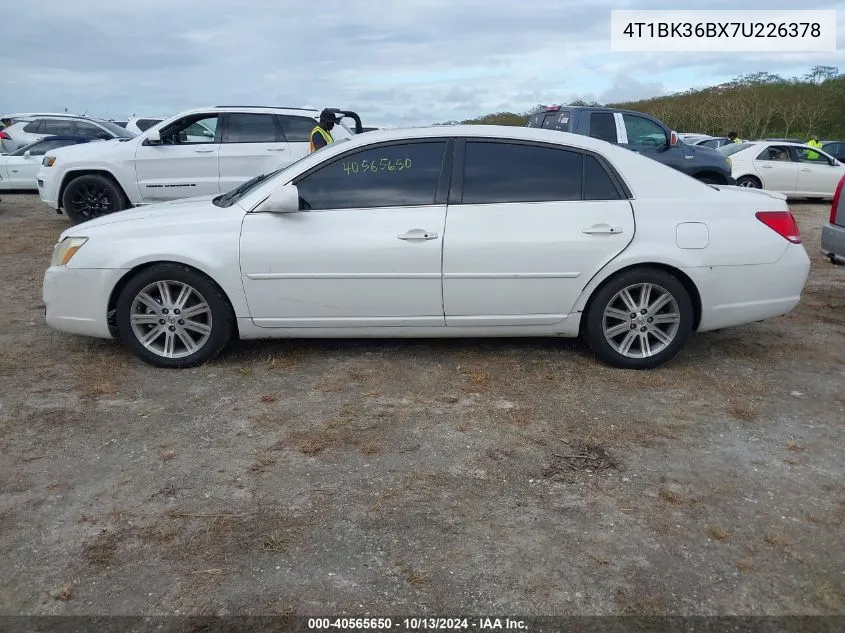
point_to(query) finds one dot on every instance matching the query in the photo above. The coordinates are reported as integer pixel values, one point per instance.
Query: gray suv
(640, 133)
(833, 233)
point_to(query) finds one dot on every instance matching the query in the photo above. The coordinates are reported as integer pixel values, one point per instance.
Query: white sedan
(436, 232)
(19, 169)
(793, 169)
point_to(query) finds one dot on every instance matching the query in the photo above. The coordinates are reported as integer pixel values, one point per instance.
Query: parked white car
(38, 127)
(140, 124)
(18, 169)
(793, 169)
(548, 235)
(198, 152)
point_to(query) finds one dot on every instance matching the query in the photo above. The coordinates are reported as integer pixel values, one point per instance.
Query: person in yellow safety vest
(321, 134)
(814, 142)
(733, 138)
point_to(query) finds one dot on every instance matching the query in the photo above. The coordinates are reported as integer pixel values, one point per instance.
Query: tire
(665, 334)
(209, 327)
(92, 196)
(749, 181)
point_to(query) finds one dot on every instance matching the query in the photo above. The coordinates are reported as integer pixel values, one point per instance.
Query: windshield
(733, 148)
(115, 129)
(233, 196)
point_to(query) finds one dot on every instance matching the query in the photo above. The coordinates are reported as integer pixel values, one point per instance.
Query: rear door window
(57, 127)
(501, 172)
(33, 126)
(603, 126)
(598, 184)
(251, 128)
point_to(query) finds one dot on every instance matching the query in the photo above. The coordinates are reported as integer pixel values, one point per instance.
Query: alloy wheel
(171, 319)
(641, 320)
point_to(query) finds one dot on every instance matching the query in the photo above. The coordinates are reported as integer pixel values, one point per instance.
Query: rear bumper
(76, 299)
(733, 295)
(833, 242)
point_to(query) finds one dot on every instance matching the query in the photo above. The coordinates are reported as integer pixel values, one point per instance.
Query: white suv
(201, 152)
(27, 130)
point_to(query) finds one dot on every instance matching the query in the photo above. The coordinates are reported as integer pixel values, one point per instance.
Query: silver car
(35, 128)
(833, 233)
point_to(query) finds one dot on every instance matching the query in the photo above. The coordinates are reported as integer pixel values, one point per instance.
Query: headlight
(64, 250)
(48, 161)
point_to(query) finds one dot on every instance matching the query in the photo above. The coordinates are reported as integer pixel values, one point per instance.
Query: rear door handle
(204, 151)
(766, 166)
(417, 234)
(602, 229)
(275, 149)
(806, 169)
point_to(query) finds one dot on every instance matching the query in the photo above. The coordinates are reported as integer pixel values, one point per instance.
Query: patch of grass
(245, 371)
(166, 455)
(718, 533)
(269, 397)
(476, 379)
(670, 496)
(101, 551)
(793, 446)
(312, 445)
(776, 538)
(744, 565)
(285, 363)
(637, 601)
(416, 578)
(812, 518)
(744, 410)
(261, 464)
(371, 448)
(100, 373)
(63, 593)
(599, 558)
(275, 542)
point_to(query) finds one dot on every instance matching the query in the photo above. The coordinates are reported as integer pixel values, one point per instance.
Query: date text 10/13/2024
(376, 165)
(417, 624)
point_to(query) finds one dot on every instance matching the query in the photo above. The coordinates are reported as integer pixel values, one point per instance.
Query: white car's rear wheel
(639, 320)
(749, 181)
(172, 316)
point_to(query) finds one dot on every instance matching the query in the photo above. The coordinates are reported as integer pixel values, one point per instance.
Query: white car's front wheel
(172, 316)
(92, 196)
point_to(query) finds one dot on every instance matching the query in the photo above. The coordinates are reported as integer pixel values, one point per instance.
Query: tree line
(756, 105)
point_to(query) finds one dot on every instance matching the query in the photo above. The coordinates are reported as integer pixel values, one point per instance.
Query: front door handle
(204, 151)
(806, 169)
(275, 149)
(417, 234)
(766, 166)
(602, 229)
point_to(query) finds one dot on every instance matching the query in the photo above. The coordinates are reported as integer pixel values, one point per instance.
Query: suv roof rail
(267, 107)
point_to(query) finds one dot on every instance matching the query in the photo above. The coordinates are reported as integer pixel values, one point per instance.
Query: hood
(92, 149)
(162, 214)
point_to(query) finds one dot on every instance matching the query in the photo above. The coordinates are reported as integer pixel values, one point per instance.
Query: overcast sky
(395, 62)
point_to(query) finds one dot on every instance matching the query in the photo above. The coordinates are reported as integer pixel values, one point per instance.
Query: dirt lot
(404, 477)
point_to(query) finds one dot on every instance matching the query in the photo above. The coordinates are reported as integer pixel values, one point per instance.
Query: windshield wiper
(226, 198)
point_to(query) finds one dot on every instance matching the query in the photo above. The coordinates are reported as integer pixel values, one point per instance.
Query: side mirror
(26, 154)
(153, 138)
(673, 138)
(285, 199)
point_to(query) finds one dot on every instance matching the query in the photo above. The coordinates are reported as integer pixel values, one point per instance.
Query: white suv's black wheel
(172, 316)
(91, 196)
(639, 320)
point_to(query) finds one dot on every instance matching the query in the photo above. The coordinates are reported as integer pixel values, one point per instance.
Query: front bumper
(48, 189)
(833, 242)
(76, 299)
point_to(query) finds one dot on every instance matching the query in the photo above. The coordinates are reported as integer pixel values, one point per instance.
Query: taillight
(835, 205)
(781, 222)
(5, 136)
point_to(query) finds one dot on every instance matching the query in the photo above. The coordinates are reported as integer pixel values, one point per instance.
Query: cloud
(410, 62)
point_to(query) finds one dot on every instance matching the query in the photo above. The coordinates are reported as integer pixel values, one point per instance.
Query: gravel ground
(409, 477)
